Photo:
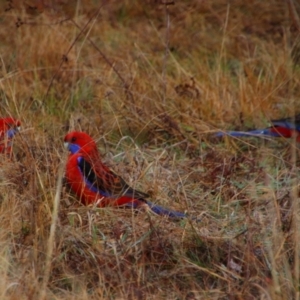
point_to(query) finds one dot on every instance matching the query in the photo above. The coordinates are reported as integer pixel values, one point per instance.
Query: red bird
(287, 128)
(8, 128)
(93, 182)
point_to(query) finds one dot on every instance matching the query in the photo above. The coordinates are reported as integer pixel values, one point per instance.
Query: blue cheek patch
(10, 133)
(73, 148)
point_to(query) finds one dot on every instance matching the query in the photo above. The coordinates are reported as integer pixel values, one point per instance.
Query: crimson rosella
(8, 128)
(287, 128)
(94, 182)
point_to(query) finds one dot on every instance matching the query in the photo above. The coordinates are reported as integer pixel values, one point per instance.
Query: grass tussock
(151, 82)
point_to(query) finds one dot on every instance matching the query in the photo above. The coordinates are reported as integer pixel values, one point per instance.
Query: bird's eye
(73, 139)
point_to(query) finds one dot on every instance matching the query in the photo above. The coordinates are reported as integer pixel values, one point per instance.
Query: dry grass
(151, 83)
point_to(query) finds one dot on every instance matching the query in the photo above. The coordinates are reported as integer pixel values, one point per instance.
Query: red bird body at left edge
(8, 128)
(94, 183)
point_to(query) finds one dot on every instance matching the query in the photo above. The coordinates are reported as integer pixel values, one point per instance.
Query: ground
(151, 82)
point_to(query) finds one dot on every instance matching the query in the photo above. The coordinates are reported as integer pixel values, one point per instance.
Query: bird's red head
(11, 122)
(10, 126)
(77, 140)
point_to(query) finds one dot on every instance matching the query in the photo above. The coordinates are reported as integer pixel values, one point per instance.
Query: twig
(166, 56)
(65, 56)
(52, 233)
(125, 84)
(293, 13)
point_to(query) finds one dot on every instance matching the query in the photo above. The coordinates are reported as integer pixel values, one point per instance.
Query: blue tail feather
(258, 132)
(159, 210)
(165, 212)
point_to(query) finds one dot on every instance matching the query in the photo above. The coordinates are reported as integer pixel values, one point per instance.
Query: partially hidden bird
(286, 127)
(95, 183)
(8, 128)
